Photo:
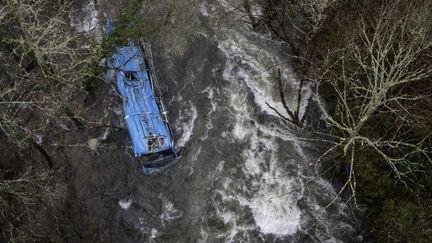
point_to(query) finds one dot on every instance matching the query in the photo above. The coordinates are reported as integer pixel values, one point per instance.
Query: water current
(244, 176)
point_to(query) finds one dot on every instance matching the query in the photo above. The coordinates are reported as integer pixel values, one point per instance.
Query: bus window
(131, 76)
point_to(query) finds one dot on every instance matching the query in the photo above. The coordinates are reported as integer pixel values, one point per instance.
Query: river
(243, 176)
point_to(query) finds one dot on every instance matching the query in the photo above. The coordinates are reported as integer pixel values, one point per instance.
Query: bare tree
(296, 20)
(46, 60)
(294, 117)
(316, 12)
(365, 77)
(43, 36)
(42, 66)
(20, 198)
(280, 21)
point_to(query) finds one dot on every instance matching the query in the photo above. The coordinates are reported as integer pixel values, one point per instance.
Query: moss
(91, 77)
(69, 113)
(400, 220)
(395, 213)
(373, 182)
(129, 24)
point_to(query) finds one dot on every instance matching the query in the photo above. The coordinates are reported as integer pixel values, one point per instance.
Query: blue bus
(145, 114)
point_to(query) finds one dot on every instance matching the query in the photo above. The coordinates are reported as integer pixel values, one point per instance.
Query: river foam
(270, 180)
(186, 123)
(272, 202)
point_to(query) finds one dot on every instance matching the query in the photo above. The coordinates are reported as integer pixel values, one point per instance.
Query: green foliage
(374, 183)
(129, 24)
(91, 71)
(400, 218)
(394, 212)
(69, 113)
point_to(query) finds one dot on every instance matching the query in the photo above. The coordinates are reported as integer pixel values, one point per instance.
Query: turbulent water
(243, 175)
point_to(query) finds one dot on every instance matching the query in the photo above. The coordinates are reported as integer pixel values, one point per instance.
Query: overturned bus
(144, 110)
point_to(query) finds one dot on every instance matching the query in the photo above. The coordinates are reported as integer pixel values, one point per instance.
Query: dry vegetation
(46, 72)
(41, 67)
(41, 62)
